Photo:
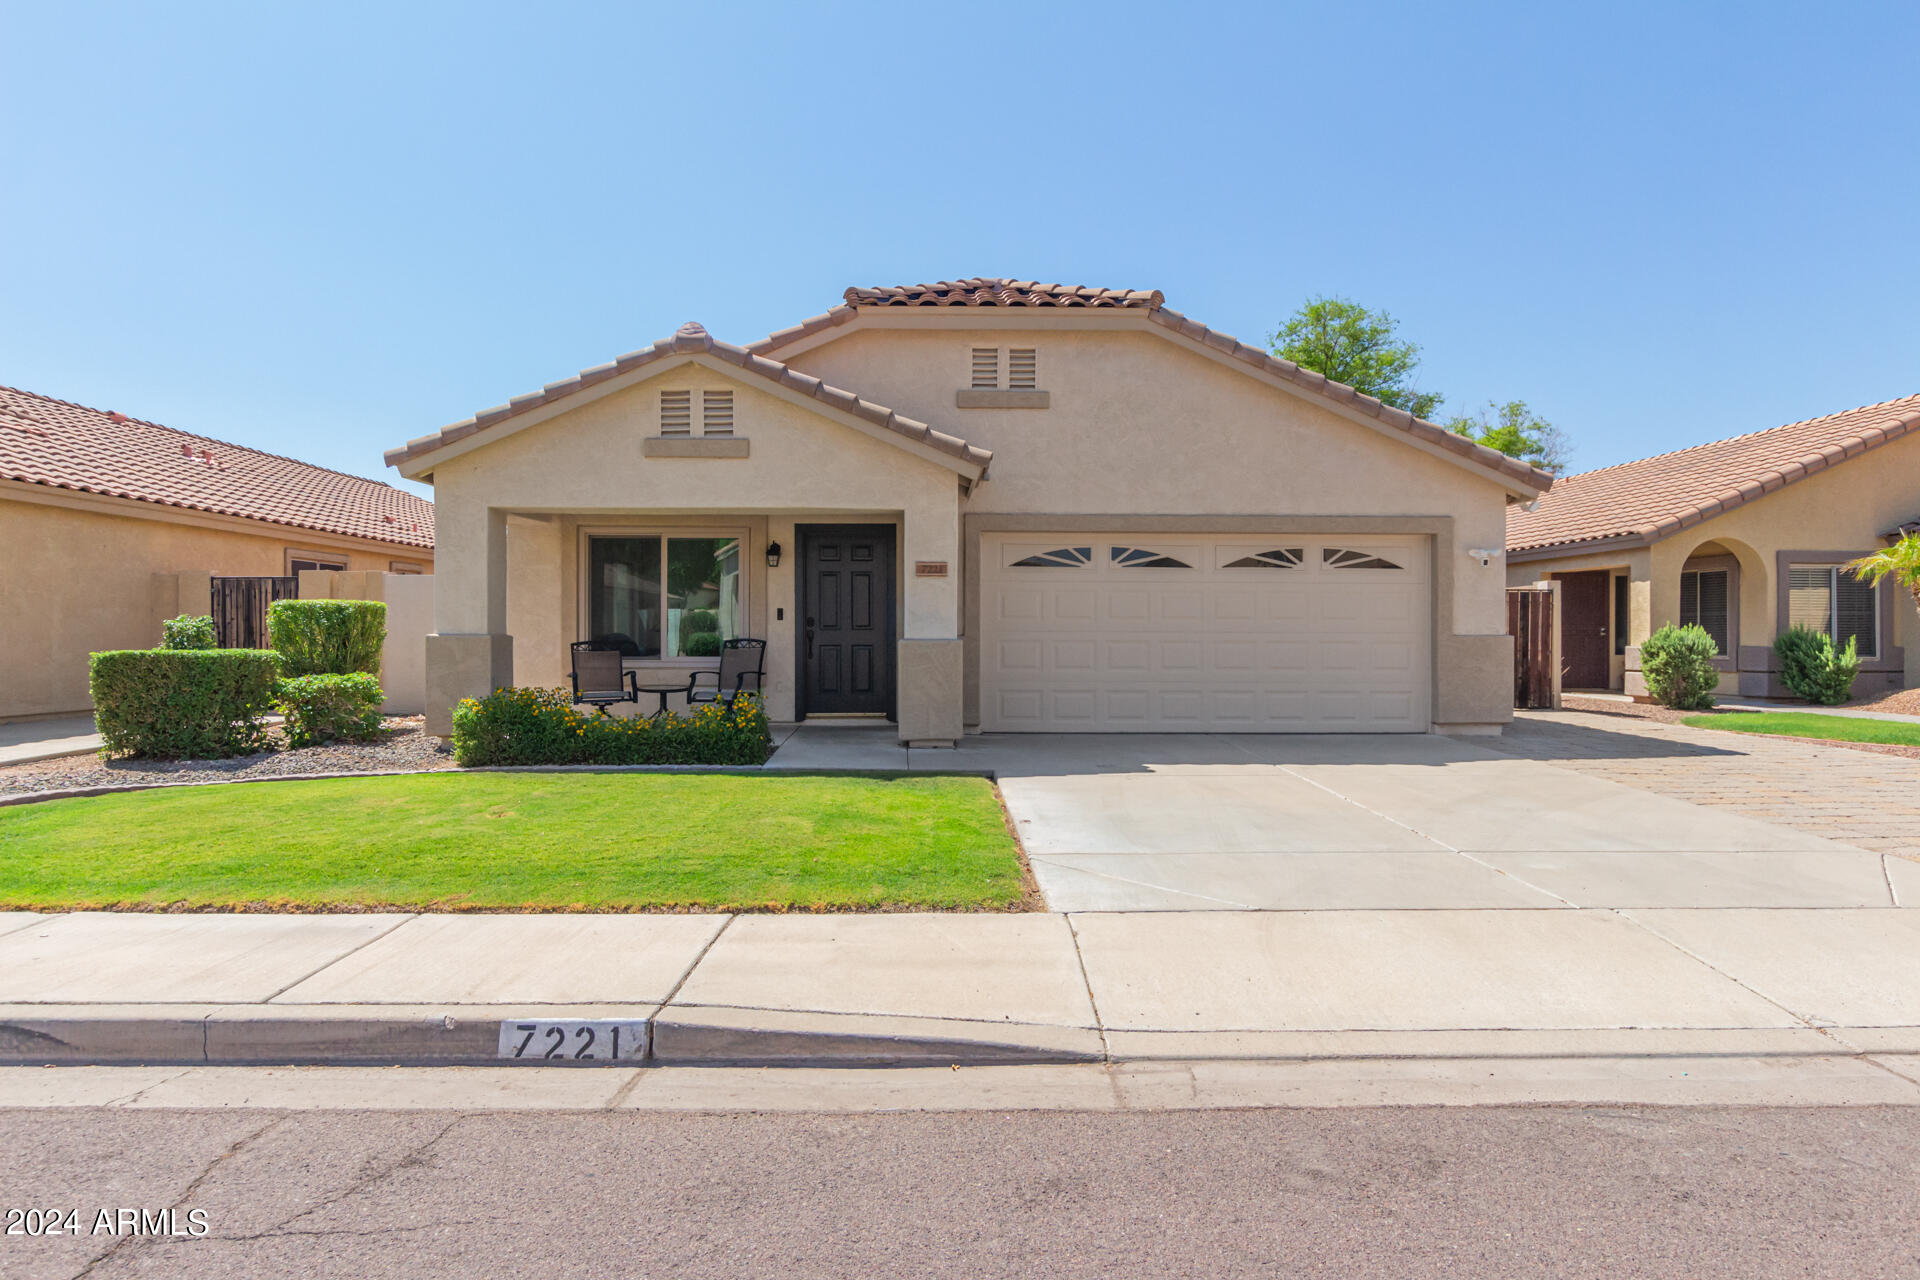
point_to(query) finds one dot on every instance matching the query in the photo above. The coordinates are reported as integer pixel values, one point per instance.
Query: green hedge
(1812, 668)
(328, 637)
(1677, 664)
(541, 726)
(330, 708)
(188, 632)
(699, 622)
(182, 704)
(701, 644)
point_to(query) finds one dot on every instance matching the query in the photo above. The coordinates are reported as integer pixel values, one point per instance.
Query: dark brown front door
(1586, 640)
(845, 617)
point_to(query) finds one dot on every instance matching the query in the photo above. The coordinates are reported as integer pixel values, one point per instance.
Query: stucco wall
(1139, 425)
(75, 580)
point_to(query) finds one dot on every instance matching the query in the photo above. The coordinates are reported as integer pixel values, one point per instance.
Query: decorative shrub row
(1812, 668)
(182, 704)
(1677, 663)
(188, 632)
(330, 708)
(540, 726)
(318, 637)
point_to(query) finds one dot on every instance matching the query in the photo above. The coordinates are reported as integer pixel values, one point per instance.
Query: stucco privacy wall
(584, 468)
(81, 574)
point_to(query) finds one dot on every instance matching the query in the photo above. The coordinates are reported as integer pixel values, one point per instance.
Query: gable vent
(1020, 369)
(716, 413)
(676, 413)
(986, 368)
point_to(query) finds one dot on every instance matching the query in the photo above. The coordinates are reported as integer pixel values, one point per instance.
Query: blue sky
(322, 230)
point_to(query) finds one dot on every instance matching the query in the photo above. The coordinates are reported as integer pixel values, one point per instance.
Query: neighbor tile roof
(1650, 499)
(69, 446)
(993, 292)
(693, 339)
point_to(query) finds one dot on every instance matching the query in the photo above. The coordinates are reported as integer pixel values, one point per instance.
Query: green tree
(1518, 432)
(1902, 560)
(1350, 344)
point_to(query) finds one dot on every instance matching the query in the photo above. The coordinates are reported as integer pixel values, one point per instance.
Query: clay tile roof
(990, 291)
(69, 446)
(1654, 497)
(692, 338)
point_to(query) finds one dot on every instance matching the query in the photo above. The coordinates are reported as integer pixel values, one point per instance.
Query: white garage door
(1254, 633)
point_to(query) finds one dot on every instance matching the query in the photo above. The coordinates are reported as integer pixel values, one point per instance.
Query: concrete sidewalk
(824, 990)
(25, 741)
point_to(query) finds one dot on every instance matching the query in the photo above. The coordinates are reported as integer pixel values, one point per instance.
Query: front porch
(859, 608)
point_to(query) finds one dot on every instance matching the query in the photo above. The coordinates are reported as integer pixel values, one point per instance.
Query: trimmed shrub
(182, 704)
(328, 637)
(701, 644)
(188, 632)
(330, 708)
(1811, 667)
(699, 622)
(1677, 663)
(541, 726)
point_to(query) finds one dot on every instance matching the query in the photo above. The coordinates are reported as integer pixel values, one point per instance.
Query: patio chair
(743, 664)
(599, 679)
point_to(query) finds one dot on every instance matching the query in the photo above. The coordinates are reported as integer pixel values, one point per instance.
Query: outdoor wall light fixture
(773, 555)
(1485, 557)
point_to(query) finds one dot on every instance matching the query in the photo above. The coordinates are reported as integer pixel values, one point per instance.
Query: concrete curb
(692, 1036)
(453, 1035)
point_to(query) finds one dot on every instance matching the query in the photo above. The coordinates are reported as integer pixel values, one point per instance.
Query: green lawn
(539, 841)
(1811, 724)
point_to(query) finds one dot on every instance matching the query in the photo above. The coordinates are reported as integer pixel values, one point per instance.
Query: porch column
(469, 654)
(931, 663)
(1642, 608)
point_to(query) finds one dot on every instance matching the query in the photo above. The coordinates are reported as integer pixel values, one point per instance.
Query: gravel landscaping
(402, 747)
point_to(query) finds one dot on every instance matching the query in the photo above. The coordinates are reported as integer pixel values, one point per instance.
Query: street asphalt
(1565, 1192)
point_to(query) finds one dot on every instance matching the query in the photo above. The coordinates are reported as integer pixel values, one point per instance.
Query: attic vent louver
(716, 413)
(1021, 369)
(986, 368)
(676, 413)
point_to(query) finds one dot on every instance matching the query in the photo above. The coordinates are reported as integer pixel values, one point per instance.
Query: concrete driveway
(1376, 822)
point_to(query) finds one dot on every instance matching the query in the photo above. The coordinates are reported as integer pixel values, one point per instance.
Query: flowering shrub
(329, 708)
(541, 726)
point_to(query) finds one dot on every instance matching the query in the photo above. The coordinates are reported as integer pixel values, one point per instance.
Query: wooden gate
(1530, 619)
(240, 608)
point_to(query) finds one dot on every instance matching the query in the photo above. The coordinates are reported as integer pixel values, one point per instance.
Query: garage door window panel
(1144, 558)
(1059, 558)
(1346, 558)
(1277, 558)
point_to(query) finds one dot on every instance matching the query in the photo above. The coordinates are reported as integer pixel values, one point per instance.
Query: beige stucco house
(984, 505)
(1745, 537)
(110, 524)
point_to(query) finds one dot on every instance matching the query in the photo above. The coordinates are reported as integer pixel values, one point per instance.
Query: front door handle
(809, 637)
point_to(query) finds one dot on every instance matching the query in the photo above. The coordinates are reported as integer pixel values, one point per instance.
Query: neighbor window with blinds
(1826, 598)
(1703, 604)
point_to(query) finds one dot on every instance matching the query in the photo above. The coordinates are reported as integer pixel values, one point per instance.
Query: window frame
(583, 604)
(324, 562)
(1834, 573)
(1730, 602)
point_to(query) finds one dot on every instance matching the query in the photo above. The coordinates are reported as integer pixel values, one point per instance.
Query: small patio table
(665, 691)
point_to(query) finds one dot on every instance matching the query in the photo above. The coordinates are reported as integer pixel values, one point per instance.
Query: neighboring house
(990, 505)
(1744, 537)
(111, 524)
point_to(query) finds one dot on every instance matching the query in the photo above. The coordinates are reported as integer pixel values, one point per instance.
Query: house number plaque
(929, 568)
